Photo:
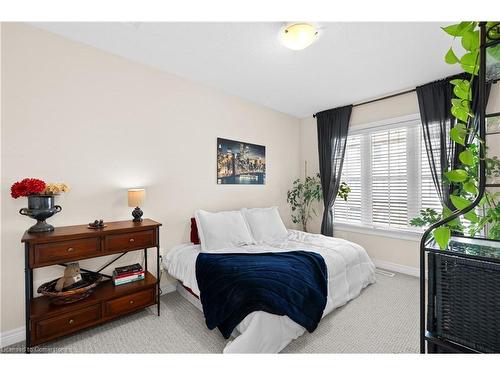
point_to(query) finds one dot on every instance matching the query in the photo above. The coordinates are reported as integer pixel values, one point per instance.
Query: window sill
(391, 233)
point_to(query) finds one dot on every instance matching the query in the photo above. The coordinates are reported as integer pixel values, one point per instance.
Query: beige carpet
(383, 319)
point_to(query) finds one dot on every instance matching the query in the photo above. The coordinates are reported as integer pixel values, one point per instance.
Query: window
(387, 169)
(351, 174)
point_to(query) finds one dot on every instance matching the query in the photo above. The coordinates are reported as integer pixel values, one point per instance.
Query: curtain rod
(493, 82)
(382, 98)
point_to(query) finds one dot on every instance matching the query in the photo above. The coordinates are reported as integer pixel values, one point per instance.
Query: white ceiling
(350, 62)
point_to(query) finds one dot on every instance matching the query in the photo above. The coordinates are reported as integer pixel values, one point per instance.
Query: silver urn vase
(40, 208)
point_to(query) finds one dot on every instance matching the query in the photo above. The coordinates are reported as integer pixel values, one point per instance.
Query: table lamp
(135, 199)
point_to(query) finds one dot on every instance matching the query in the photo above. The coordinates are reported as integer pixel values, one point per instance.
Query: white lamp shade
(136, 197)
(298, 36)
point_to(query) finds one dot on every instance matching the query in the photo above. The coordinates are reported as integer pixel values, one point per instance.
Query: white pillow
(222, 230)
(265, 224)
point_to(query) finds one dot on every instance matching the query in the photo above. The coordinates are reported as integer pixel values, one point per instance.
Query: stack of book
(128, 274)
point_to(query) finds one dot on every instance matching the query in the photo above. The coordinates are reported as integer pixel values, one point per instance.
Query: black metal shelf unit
(460, 305)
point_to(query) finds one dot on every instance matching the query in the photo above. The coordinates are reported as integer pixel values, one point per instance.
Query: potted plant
(304, 194)
(465, 175)
(40, 201)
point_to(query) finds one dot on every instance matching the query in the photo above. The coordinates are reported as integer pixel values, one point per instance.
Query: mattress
(349, 271)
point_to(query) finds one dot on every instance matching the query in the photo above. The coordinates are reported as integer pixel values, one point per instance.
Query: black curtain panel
(475, 100)
(332, 126)
(434, 100)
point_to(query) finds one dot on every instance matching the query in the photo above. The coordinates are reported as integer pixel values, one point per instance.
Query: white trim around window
(384, 166)
(386, 124)
(399, 234)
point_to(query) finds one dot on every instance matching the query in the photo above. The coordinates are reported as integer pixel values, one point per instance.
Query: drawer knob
(71, 321)
(70, 249)
(131, 302)
(131, 240)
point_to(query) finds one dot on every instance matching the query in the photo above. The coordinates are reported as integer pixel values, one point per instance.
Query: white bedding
(349, 271)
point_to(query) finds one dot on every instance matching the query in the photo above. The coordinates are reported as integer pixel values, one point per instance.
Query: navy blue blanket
(286, 283)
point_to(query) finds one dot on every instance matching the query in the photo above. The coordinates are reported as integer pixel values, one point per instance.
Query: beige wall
(102, 124)
(399, 251)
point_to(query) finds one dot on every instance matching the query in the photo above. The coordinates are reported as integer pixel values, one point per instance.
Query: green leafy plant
(464, 178)
(304, 194)
(427, 217)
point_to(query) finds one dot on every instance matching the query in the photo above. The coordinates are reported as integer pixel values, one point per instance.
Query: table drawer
(130, 241)
(66, 323)
(130, 302)
(64, 251)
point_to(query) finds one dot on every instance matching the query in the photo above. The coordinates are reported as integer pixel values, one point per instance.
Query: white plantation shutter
(389, 178)
(429, 197)
(351, 174)
(387, 170)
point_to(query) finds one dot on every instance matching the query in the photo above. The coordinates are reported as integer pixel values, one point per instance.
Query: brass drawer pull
(70, 249)
(131, 302)
(71, 321)
(131, 240)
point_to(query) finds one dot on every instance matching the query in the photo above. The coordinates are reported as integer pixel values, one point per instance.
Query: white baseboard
(394, 267)
(17, 335)
(12, 337)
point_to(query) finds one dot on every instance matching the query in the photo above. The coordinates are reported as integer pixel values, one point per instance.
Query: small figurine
(71, 276)
(97, 224)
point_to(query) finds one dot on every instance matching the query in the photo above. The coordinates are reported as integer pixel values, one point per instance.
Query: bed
(349, 270)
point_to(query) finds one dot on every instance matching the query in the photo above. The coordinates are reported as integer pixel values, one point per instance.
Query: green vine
(304, 194)
(464, 178)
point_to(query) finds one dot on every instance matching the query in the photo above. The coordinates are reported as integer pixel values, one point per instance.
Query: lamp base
(137, 214)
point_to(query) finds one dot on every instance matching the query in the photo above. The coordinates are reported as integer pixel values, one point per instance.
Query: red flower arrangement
(28, 186)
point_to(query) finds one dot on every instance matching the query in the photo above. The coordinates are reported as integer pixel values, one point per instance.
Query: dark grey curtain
(332, 135)
(434, 101)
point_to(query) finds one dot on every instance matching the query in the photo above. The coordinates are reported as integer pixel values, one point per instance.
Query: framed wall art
(240, 163)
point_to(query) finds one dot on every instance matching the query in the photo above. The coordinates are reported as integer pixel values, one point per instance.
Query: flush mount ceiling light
(298, 35)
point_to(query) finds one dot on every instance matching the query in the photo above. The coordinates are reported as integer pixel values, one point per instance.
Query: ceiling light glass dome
(298, 36)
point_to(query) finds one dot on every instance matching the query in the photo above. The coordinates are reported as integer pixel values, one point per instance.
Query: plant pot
(40, 208)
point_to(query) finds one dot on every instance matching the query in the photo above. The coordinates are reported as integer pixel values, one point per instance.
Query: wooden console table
(46, 321)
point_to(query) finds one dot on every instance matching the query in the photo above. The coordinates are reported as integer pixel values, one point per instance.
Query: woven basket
(468, 302)
(70, 296)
